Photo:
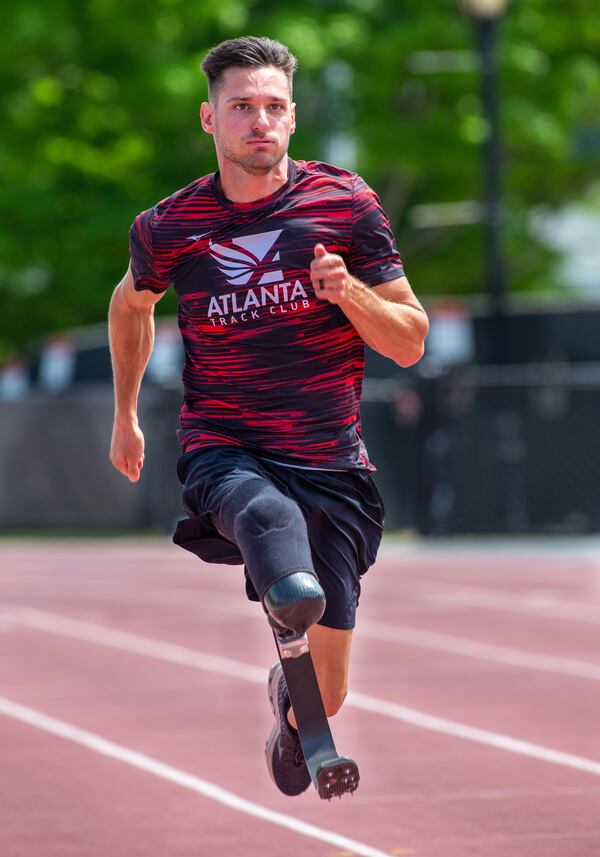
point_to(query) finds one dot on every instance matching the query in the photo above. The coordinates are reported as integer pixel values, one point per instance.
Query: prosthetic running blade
(332, 775)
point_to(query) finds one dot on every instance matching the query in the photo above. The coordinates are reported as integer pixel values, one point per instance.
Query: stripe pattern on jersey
(268, 366)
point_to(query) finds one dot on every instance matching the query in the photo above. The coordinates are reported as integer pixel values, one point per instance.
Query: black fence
(55, 470)
(512, 449)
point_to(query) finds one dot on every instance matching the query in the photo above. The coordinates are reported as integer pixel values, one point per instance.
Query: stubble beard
(255, 163)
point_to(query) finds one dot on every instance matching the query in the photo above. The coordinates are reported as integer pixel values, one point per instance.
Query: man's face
(252, 119)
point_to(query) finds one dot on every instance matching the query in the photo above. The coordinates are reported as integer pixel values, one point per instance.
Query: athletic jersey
(268, 366)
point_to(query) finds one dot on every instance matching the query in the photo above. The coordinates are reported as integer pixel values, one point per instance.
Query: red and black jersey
(268, 367)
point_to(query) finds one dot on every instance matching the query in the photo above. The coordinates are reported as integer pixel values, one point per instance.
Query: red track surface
(527, 626)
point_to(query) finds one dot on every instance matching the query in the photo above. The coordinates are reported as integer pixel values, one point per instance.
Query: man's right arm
(131, 335)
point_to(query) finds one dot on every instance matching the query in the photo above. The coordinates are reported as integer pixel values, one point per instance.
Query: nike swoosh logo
(197, 237)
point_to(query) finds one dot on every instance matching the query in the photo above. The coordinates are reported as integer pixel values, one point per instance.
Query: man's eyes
(277, 108)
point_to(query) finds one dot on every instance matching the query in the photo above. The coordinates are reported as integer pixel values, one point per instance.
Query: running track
(133, 710)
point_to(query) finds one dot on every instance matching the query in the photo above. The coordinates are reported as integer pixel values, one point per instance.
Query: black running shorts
(342, 510)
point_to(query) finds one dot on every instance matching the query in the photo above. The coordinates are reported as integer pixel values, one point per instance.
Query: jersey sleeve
(373, 257)
(144, 266)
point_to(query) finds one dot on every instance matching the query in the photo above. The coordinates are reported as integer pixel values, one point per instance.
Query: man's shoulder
(321, 170)
(175, 205)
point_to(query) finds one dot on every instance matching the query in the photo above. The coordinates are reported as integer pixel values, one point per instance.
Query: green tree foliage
(100, 102)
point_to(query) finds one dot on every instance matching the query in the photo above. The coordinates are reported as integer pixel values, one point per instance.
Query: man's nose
(261, 121)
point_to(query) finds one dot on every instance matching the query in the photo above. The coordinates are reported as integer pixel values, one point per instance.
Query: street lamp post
(485, 15)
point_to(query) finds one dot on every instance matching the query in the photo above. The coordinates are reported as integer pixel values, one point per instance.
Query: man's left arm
(388, 317)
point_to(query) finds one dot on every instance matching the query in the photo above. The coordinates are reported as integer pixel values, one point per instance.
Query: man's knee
(333, 699)
(295, 602)
(266, 513)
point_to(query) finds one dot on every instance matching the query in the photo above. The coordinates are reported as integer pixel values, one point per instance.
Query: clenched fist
(127, 450)
(330, 278)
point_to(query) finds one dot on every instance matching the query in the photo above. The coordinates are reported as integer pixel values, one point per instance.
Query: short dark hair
(249, 52)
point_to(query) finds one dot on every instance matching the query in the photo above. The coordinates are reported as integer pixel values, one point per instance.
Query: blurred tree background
(100, 102)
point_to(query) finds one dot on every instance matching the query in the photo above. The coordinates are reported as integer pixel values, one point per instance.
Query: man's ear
(207, 113)
(293, 110)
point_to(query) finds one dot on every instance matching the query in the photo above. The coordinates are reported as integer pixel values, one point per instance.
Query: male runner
(283, 269)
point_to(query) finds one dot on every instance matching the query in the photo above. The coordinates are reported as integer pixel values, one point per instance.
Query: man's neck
(239, 186)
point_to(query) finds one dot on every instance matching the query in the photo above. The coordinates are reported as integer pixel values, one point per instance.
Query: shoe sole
(336, 778)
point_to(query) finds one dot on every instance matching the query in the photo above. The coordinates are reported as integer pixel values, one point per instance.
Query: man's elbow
(412, 351)
(409, 356)
(126, 301)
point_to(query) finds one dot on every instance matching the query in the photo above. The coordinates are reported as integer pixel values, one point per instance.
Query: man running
(283, 270)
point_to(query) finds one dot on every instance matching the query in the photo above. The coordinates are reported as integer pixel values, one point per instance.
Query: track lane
(116, 692)
(491, 696)
(402, 587)
(412, 772)
(116, 801)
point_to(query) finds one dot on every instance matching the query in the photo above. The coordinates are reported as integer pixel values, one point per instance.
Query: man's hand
(127, 449)
(330, 278)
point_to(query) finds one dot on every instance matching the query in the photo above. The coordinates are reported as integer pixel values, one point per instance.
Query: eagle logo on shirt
(238, 266)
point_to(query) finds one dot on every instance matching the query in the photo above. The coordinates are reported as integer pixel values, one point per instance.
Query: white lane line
(124, 641)
(473, 649)
(472, 733)
(433, 641)
(445, 643)
(104, 747)
(533, 603)
(246, 672)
